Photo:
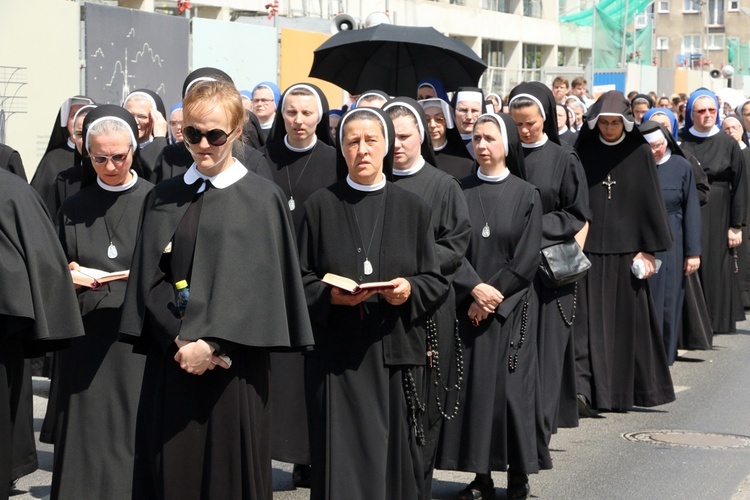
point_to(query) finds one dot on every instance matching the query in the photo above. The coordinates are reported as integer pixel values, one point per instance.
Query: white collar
(71, 144)
(743, 145)
(536, 144)
(142, 145)
(364, 187)
(410, 171)
(300, 150)
(493, 178)
(665, 158)
(714, 130)
(467, 136)
(118, 189)
(561, 131)
(268, 124)
(618, 141)
(232, 174)
(440, 148)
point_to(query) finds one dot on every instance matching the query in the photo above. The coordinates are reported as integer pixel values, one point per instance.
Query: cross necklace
(609, 183)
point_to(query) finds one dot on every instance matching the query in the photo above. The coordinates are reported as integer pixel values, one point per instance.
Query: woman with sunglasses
(203, 421)
(725, 214)
(97, 382)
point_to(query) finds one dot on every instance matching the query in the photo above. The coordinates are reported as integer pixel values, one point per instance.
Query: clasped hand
(395, 296)
(197, 357)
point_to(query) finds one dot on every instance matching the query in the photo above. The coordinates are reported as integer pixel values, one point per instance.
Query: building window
(494, 5)
(662, 43)
(691, 6)
(532, 56)
(715, 42)
(734, 5)
(532, 8)
(662, 7)
(715, 12)
(691, 44)
(492, 53)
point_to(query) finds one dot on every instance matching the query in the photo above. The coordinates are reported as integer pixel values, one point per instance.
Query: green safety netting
(739, 56)
(612, 19)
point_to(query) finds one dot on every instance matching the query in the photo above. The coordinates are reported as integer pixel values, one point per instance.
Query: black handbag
(562, 264)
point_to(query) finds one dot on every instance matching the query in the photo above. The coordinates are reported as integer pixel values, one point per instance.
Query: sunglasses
(215, 137)
(705, 110)
(117, 159)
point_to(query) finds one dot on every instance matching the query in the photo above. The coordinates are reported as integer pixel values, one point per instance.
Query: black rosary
(513, 358)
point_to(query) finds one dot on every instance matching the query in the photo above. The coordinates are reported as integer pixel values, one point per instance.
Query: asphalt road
(595, 461)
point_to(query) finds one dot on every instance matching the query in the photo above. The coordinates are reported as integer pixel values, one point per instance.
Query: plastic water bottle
(183, 294)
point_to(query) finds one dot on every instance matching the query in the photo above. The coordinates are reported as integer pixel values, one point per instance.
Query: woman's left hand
(692, 263)
(734, 237)
(477, 313)
(195, 357)
(398, 295)
(649, 261)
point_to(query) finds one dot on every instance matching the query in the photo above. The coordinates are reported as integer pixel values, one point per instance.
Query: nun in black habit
(683, 209)
(60, 152)
(175, 158)
(566, 130)
(468, 104)
(363, 376)
(414, 170)
(302, 160)
(96, 383)
(152, 127)
(620, 352)
(497, 310)
(38, 312)
(203, 423)
(725, 214)
(451, 155)
(558, 174)
(68, 181)
(11, 161)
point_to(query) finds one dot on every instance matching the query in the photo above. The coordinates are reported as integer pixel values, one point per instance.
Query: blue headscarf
(666, 112)
(437, 86)
(272, 87)
(701, 92)
(246, 94)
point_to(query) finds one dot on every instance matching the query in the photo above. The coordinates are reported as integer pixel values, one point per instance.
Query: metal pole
(624, 37)
(593, 48)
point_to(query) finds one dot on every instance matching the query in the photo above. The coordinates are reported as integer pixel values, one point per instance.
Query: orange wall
(295, 61)
(681, 81)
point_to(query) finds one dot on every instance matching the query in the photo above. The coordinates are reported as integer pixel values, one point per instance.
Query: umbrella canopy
(394, 59)
(733, 96)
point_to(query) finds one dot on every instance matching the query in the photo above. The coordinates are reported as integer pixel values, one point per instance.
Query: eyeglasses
(215, 137)
(117, 159)
(704, 111)
(141, 118)
(261, 101)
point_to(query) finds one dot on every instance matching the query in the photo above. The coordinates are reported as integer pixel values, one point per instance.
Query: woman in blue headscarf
(431, 87)
(664, 116)
(726, 211)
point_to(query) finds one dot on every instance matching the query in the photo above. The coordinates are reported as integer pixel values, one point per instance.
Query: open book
(94, 278)
(352, 286)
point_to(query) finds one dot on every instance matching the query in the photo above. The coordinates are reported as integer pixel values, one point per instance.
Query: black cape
(10, 160)
(620, 352)
(51, 164)
(37, 304)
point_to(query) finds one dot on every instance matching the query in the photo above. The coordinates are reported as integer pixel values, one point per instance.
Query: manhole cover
(690, 439)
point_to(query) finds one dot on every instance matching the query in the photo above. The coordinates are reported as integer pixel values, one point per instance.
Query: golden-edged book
(94, 278)
(352, 286)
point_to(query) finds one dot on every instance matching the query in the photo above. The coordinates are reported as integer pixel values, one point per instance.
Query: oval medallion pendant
(486, 231)
(111, 251)
(292, 205)
(368, 267)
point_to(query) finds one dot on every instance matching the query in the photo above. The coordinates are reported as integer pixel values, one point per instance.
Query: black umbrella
(394, 59)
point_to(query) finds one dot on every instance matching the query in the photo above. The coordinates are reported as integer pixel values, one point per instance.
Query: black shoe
(518, 486)
(478, 490)
(14, 490)
(301, 475)
(585, 410)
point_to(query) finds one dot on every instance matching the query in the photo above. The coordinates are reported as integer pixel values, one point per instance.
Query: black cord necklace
(291, 203)
(486, 228)
(112, 249)
(368, 266)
